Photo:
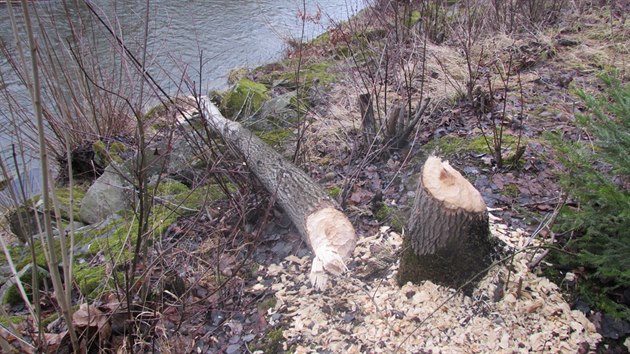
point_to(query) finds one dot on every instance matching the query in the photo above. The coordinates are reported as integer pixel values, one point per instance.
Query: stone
(28, 225)
(279, 108)
(111, 192)
(183, 166)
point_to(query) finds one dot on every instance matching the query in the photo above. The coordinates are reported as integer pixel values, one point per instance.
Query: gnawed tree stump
(368, 122)
(449, 238)
(317, 217)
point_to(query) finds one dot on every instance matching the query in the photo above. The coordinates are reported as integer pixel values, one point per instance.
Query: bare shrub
(72, 67)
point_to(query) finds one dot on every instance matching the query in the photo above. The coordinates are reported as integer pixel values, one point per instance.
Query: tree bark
(395, 121)
(449, 238)
(367, 118)
(317, 217)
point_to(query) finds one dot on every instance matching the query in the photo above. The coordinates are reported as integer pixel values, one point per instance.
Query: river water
(227, 34)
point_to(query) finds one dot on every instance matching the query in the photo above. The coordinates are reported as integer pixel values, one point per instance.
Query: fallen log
(318, 218)
(449, 239)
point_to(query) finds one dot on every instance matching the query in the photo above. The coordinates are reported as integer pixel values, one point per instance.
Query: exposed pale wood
(317, 217)
(448, 235)
(447, 185)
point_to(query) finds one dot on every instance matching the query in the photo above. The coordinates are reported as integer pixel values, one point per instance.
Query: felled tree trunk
(317, 217)
(449, 239)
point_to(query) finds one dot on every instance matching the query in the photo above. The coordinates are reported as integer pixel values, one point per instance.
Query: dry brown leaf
(54, 340)
(91, 317)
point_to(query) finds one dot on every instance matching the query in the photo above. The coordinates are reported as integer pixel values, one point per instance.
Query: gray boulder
(111, 192)
(278, 109)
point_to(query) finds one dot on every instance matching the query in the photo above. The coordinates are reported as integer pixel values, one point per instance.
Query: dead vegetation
(234, 277)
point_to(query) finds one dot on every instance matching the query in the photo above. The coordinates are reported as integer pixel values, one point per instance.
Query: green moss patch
(245, 98)
(285, 73)
(67, 204)
(323, 38)
(272, 342)
(111, 240)
(334, 191)
(104, 154)
(274, 137)
(446, 145)
(450, 144)
(90, 279)
(155, 111)
(310, 74)
(510, 191)
(7, 321)
(235, 75)
(413, 18)
(392, 216)
(174, 195)
(12, 295)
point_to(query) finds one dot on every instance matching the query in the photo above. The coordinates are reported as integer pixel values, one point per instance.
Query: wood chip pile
(512, 310)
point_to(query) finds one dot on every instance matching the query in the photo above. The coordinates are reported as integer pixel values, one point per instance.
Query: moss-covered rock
(155, 111)
(10, 294)
(100, 153)
(114, 238)
(169, 187)
(279, 110)
(104, 154)
(69, 200)
(285, 74)
(235, 75)
(32, 210)
(323, 38)
(245, 98)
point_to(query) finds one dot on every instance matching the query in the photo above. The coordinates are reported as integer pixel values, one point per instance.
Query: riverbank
(228, 273)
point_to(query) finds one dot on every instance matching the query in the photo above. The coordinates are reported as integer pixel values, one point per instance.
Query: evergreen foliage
(598, 179)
